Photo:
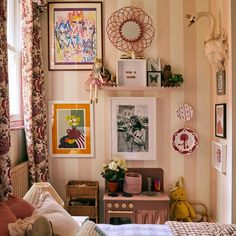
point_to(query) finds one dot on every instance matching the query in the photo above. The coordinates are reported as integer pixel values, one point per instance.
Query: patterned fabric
(136, 230)
(5, 141)
(41, 4)
(91, 229)
(34, 91)
(201, 229)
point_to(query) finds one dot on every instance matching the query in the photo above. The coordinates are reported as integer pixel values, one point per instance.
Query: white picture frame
(219, 156)
(131, 72)
(130, 139)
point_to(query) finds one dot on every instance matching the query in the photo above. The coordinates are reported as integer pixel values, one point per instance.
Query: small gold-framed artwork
(71, 132)
(219, 156)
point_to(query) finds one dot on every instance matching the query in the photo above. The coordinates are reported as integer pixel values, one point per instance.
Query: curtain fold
(5, 140)
(151, 216)
(34, 90)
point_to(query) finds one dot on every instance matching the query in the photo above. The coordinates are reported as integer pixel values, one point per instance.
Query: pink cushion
(6, 217)
(20, 207)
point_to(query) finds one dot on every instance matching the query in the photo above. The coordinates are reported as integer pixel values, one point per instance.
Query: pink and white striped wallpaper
(175, 44)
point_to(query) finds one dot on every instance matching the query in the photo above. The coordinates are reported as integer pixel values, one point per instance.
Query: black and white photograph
(133, 128)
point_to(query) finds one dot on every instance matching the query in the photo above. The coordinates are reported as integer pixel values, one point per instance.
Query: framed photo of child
(133, 128)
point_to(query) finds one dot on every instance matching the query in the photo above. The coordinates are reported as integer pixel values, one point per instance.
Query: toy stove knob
(131, 205)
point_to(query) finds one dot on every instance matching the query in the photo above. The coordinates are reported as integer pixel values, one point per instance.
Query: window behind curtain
(14, 62)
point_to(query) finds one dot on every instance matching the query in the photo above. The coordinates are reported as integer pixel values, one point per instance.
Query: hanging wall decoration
(75, 35)
(130, 29)
(133, 128)
(184, 112)
(185, 141)
(71, 131)
(220, 120)
(219, 156)
(216, 43)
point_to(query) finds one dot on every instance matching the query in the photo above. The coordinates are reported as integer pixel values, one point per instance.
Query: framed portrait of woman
(133, 128)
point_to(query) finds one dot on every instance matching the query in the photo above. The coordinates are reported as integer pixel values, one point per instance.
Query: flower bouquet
(114, 172)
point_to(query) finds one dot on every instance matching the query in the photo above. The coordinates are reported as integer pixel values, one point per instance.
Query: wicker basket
(133, 183)
(82, 198)
(201, 212)
(82, 189)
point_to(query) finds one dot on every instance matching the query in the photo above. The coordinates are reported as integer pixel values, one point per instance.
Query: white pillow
(62, 222)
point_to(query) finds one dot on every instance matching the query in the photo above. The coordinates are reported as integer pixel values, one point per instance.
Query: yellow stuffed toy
(180, 209)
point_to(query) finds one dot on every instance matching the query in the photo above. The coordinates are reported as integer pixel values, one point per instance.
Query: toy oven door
(118, 217)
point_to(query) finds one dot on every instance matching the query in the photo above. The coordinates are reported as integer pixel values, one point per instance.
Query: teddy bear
(180, 209)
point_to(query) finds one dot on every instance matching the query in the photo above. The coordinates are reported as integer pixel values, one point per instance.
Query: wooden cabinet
(82, 199)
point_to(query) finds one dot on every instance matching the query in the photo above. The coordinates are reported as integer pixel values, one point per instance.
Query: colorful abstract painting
(74, 35)
(71, 129)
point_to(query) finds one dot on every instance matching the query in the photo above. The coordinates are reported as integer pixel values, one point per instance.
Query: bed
(170, 228)
(22, 214)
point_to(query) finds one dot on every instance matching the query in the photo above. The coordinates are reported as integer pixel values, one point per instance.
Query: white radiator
(20, 179)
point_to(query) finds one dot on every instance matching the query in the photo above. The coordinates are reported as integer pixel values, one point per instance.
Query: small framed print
(220, 120)
(131, 72)
(219, 156)
(154, 79)
(220, 82)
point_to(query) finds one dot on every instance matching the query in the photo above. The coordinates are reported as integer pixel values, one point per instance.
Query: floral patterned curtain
(5, 141)
(34, 90)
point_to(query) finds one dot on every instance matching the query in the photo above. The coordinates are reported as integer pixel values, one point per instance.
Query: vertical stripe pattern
(183, 49)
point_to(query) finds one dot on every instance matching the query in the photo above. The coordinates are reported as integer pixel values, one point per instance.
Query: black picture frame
(154, 78)
(220, 120)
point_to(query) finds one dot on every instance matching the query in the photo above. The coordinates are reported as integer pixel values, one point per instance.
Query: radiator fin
(20, 179)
